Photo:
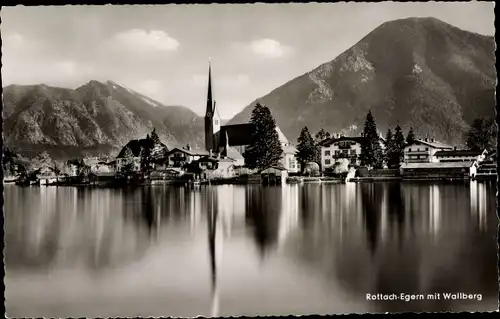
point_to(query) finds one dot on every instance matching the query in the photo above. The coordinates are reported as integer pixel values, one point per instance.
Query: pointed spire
(210, 103)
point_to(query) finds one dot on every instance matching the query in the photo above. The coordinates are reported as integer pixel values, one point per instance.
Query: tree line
(266, 150)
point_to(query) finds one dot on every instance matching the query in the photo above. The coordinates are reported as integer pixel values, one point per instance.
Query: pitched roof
(135, 147)
(442, 165)
(192, 152)
(329, 141)
(231, 152)
(289, 149)
(435, 144)
(273, 168)
(238, 134)
(458, 153)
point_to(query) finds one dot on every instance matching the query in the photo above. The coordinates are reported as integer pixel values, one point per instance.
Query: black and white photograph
(260, 159)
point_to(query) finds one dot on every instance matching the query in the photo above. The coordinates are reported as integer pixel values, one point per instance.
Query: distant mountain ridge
(417, 72)
(94, 118)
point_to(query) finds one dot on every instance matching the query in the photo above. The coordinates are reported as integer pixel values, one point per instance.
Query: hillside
(94, 118)
(418, 72)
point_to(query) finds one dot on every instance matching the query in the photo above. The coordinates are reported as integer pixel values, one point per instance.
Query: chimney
(188, 147)
(210, 152)
(432, 139)
(455, 148)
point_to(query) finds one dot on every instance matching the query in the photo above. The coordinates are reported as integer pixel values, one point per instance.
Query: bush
(311, 169)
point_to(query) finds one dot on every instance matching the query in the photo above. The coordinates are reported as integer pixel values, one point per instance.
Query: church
(232, 140)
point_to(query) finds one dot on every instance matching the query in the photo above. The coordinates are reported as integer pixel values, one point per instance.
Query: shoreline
(233, 181)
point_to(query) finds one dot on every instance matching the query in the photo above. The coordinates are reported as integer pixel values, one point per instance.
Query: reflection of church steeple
(212, 226)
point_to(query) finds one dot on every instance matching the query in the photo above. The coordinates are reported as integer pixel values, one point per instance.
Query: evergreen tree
(265, 150)
(389, 148)
(399, 147)
(410, 138)
(307, 151)
(371, 150)
(127, 166)
(482, 135)
(154, 137)
(146, 157)
(321, 135)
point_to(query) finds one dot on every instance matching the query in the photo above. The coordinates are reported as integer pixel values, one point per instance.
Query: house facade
(178, 157)
(342, 147)
(459, 156)
(423, 150)
(289, 159)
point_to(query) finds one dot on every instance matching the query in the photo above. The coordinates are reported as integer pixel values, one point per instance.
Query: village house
(459, 156)
(209, 167)
(289, 160)
(339, 146)
(423, 150)
(487, 168)
(135, 147)
(437, 170)
(178, 157)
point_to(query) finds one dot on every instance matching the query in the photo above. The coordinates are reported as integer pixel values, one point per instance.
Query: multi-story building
(423, 150)
(342, 147)
(459, 156)
(178, 157)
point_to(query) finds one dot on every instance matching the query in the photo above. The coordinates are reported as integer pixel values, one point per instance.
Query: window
(353, 152)
(337, 153)
(426, 148)
(216, 122)
(327, 162)
(409, 150)
(327, 153)
(353, 161)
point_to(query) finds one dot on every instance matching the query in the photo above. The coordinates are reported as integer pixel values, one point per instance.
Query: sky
(162, 51)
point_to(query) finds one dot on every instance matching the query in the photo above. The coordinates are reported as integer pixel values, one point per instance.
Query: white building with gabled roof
(423, 150)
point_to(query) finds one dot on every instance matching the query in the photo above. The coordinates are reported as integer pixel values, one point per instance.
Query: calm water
(247, 250)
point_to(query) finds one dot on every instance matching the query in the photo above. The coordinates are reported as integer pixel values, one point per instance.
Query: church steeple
(210, 103)
(212, 120)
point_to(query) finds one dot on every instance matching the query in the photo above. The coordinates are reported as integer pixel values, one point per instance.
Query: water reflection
(219, 250)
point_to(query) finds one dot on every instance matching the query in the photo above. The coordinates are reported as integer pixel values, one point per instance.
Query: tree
(321, 135)
(399, 147)
(482, 135)
(389, 148)
(341, 166)
(371, 150)
(307, 151)
(410, 138)
(265, 150)
(128, 163)
(146, 156)
(9, 159)
(154, 137)
(43, 160)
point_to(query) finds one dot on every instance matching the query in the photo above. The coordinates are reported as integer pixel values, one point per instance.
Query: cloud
(269, 48)
(138, 40)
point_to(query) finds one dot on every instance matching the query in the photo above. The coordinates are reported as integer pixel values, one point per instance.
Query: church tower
(212, 119)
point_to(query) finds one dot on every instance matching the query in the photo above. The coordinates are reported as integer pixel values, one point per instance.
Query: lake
(248, 249)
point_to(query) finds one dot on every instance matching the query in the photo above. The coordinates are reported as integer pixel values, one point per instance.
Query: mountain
(417, 72)
(94, 118)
